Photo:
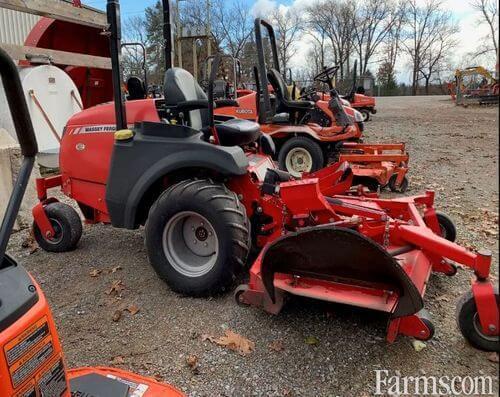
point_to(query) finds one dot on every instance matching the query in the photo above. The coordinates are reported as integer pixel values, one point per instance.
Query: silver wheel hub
(190, 244)
(298, 160)
(479, 330)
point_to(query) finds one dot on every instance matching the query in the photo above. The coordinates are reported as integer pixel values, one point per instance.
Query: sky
(469, 36)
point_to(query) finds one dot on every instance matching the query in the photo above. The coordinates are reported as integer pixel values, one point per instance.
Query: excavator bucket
(342, 256)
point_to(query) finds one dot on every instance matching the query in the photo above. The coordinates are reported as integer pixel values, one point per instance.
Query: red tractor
(32, 361)
(208, 193)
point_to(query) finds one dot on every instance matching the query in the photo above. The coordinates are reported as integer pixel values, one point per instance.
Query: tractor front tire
(197, 237)
(470, 327)
(300, 154)
(366, 114)
(448, 229)
(67, 226)
(402, 188)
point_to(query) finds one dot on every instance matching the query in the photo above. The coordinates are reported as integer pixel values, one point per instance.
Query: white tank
(52, 99)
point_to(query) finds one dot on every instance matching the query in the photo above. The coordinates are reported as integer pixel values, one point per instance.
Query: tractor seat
(237, 132)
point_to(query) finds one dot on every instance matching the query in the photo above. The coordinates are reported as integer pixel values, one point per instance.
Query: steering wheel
(307, 94)
(326, 75)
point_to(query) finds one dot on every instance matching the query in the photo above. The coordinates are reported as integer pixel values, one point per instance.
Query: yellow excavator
(482, 87)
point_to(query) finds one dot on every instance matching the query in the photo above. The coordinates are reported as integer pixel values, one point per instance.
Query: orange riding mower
(31, 358)
(311, 134)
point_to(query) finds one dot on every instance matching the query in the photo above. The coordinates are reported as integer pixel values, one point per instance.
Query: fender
(164, 150)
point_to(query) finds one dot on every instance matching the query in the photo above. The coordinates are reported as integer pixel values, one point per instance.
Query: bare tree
(232, 24)
(132, 58)
(287, 23)
(335, 19)
(374, 20)
(427, 26)
(489, 16)
(434, 60)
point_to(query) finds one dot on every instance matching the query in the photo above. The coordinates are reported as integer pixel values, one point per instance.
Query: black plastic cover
(341, 255)
(17, 292)
(153, 153)
(96, 385)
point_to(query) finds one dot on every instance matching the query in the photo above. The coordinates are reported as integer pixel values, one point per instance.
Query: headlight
(357, 116)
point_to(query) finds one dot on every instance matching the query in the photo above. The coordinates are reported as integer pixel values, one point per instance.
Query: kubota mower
(310, 133)
(205, 201)
(358, 100)
(31, 357)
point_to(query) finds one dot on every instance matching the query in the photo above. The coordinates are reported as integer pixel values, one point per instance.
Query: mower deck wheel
(67, 226)
(197, 237)
(402, 188)
(448, 229)
(470, 327)
(300, 154)
(238, 292)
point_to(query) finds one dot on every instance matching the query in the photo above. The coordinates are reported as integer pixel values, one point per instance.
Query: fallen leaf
(95, 272)
(493, 357)
(133, 309)
(276, 346)
(192, 362)
(117, 360)
(117, 315)
(287, 393)
(232, 341)
(116, 288)
(418, 345)
(115, 269)
(158, 378)
(311, 340)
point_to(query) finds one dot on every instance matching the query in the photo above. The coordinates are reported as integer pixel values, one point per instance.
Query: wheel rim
(58, 234)
(366, 115)
(190, 244)
(479, 329)
(298, 160)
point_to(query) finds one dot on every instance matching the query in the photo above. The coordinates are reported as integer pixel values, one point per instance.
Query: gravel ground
(453, 151)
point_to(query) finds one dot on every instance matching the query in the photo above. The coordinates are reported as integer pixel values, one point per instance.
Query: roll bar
(144, 56)
(115, 38)
(167, 34)
(354, 78)
(236, 68)
(264, 104)
(27, 140)
(211, 81)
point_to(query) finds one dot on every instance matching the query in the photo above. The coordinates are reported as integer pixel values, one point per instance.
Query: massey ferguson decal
(94, 129)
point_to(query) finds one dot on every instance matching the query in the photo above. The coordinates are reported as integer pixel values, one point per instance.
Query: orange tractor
(310, 132)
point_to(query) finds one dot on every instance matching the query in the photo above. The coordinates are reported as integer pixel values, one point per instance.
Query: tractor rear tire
(468, 323)
(197, 237)
(448, 229)
(67, 225)
(300, 151)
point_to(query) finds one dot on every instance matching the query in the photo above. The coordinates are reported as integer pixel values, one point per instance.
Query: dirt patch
(453, 151)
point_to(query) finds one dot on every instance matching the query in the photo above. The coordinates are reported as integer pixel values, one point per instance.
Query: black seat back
(279, 85)
(136, 89)
(181, 86)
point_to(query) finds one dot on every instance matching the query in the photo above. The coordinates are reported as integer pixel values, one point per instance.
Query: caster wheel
(238, 295)
(398, 189)
(453, 270)
(448, 229)
(470, 327)
(67, 226)
(425, 316)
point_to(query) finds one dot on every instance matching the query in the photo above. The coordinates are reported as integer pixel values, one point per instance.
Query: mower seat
(237, 132)
(180, 86)
(285, 103)
(136, 89)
